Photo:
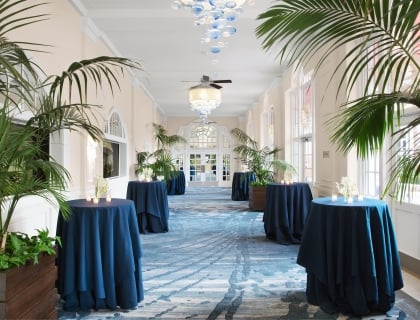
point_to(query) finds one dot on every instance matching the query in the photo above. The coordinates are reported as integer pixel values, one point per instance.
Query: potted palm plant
(383, 35)
(26, 167)
(262, 164)
(159, 162)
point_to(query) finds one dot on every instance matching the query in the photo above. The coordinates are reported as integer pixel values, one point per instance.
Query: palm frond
(14, 15)
(365, 123)
(99, 71)
(305, 28)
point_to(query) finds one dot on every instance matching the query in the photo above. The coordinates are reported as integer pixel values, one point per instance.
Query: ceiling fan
(213, 83)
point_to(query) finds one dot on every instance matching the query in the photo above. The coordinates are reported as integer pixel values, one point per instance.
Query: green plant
(160, 161)
(21, 248)
(52, 103)
(381, 35)
(260, 161)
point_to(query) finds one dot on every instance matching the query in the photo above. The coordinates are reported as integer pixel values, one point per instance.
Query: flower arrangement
(101, 187)
(347, 187)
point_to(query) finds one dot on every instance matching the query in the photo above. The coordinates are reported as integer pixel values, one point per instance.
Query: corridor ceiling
(169, 47)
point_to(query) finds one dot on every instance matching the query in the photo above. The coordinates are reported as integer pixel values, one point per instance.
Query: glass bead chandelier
(204, 98)
(218, 16)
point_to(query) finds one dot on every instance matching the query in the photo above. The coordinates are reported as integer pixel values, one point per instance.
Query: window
(407, 146)
(226, 167)
(111, 159)
(114, 148)
(179, 162)
(370, 180)
(301, 102)
(44, 147)
(203, 136)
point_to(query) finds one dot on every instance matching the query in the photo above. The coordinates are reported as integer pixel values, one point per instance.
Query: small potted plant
(262, 164)
(159, 162)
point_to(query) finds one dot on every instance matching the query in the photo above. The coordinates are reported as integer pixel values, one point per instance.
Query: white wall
(72, 38)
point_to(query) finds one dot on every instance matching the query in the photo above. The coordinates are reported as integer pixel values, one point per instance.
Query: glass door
(203, 167)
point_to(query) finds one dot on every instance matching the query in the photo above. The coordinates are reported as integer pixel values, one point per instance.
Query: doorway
(203, 167)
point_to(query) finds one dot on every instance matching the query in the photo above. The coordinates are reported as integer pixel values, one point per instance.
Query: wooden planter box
(29, 292)
(257, 198)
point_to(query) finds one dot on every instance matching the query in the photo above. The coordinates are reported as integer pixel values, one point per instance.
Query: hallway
(216, 263)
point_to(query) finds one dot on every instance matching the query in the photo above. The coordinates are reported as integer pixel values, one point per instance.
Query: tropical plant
(50, 103)
(160, 161)
(383, 35)
(261, 162)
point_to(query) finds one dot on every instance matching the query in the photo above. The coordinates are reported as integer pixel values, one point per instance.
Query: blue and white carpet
(216, 263)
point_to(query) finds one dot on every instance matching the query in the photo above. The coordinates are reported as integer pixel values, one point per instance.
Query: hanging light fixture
(218, 15)
(204, 98)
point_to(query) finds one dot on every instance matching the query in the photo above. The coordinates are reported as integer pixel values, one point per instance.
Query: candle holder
(95, 200)
(334, 197)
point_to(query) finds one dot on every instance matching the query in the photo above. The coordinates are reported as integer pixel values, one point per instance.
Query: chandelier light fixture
(204, 98)
(218, 16)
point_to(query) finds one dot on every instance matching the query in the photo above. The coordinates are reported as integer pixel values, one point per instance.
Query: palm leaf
(380, 36)
(303, 29)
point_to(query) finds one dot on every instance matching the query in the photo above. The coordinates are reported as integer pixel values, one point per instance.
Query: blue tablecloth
(99, 263)
(151, 203)
(351, 256)
(176, 185)
(240, 184)
(286, 209)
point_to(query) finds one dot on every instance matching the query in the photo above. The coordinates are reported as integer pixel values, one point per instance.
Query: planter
(257, 198)
(29, 292)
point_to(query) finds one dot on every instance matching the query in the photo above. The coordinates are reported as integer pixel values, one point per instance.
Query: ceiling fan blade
(215, 86)
(222, 81)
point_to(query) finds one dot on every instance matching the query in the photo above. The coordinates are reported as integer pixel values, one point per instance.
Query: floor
(411, 285)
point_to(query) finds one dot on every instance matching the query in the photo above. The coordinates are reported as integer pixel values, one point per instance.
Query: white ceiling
(169, 48)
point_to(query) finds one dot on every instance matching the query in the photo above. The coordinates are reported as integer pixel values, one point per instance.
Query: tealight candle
(334, 197)
(95, 200)
(360, 197)
(108, 198)
(350, 200)
(88, 198)
(282, 181)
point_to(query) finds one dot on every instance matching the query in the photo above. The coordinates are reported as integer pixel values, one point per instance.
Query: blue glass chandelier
(218, 16)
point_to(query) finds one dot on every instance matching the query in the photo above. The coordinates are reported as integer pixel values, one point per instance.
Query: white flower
(347, 187)
(101, 186)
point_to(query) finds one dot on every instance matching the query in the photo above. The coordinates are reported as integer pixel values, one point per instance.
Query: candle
(350, 200)
(108, 198)
(282, 181)
(360, 197)
(334, 197)
(95, 200)
(88, 198)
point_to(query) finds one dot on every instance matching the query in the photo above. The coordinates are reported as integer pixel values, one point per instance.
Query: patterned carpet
(216, 263)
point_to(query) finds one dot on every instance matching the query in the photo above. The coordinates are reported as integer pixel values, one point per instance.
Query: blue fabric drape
(286, 209)
(351, 256)
(151, 203)
(99, 263)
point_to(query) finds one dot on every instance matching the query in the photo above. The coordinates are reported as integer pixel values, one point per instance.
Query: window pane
(111, 159)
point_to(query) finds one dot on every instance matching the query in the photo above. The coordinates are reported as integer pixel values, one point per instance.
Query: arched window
(114, 147)
(203, 136)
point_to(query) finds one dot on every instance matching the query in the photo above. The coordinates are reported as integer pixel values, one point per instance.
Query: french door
(203, 166)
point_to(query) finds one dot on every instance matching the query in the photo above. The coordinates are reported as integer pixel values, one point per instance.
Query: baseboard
(410, 264)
